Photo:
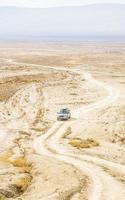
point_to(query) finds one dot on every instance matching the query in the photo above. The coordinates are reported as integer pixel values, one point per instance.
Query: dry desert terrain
(45, 159)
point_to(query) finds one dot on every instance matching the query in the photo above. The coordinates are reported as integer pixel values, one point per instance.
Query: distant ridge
(97, 20)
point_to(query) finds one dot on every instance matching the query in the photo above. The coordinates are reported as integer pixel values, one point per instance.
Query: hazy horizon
(96, 21)
(55, 3)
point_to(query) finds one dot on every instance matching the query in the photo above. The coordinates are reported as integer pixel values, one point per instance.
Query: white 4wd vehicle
(63, 114)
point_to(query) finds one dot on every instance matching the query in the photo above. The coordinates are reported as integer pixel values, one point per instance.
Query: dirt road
(101, 182)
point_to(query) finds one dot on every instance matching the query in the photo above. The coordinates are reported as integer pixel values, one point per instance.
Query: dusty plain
(45, 159)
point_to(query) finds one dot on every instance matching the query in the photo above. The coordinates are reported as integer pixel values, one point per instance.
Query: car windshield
(64, 111)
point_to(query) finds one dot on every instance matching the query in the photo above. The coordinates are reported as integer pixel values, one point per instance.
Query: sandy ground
(41, 158)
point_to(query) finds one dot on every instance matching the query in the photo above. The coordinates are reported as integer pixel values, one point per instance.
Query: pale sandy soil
(38, 159)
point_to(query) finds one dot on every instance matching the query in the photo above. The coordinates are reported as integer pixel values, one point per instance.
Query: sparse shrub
(73, 94)
(79, 143)
(76, 142)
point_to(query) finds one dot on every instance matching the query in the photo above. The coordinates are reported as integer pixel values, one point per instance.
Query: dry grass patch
(86, 143)
(23, 169)
(21, 163)
(5, 156)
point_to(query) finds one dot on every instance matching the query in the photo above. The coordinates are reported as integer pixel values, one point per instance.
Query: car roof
(64, 108)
